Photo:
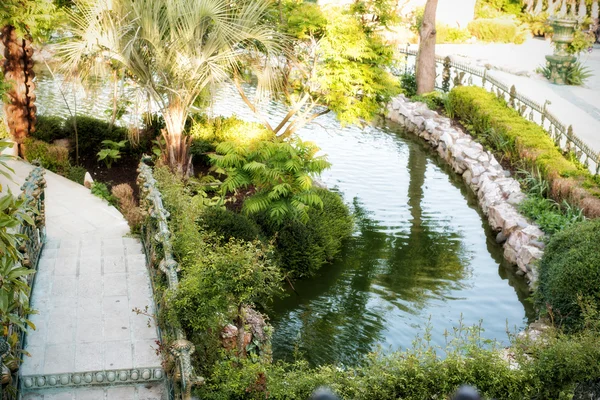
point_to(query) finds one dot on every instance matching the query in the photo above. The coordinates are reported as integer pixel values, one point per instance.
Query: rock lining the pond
(497, 192)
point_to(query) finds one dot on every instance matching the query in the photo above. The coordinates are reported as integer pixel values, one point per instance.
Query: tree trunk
(426, 55)
(177, 152)
(18, 72)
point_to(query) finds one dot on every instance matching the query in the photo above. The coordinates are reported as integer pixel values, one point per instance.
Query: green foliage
(111, 153)
(408, 82)
(451, 34)
(52, 157)
(548, 214)
(303, 248)
(503, 30)
(228, 224)
(3, 131)
(100, 189)
(549, 371)
(434, 100)
(582, 41)
(305, 20)
(91, 132)
(76, 173)
(14, 290)
(208, 133)
(578, 74)
(49, 128)
(281, 173)
(29, 17)
(528, 143)
(497, 8)
(570, 269)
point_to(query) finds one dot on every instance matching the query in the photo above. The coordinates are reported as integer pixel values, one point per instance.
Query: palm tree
(21, 21)
(174, 49)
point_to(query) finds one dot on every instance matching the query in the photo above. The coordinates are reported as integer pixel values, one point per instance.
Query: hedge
(502, 30)
(527, 145)
(570, 273)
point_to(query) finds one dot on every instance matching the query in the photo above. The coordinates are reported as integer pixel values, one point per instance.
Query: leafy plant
(99, 189)
(280, 172)
(76, 174)
(55, 158)
(111, 153)
(408, 82)
(577, 74)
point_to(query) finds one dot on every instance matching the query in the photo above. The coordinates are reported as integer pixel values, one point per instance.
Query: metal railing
(450, 73)
(30, 247)
(156, 237)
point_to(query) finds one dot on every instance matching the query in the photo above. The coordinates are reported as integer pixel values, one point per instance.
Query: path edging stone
(498, 194)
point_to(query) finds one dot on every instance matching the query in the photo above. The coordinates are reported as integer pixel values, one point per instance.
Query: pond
(422, 256)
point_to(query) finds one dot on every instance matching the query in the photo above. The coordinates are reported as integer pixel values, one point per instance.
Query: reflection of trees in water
(428, 263)
(342, 320)
(337, 324)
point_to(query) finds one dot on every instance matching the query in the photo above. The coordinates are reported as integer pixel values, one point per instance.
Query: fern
(282, 173)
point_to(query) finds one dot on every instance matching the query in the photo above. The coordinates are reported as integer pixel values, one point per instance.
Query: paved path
(90, 277)
(516, 64)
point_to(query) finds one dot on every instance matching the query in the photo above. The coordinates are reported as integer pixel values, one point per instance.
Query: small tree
(336, 62)
(174, 49)
(426, 55)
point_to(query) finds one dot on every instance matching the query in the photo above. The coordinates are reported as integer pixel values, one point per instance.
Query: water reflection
(421, 249)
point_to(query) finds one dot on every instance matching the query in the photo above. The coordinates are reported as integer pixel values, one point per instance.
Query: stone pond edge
(497, 192)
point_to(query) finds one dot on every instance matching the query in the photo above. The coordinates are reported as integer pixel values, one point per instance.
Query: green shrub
(91, 132)
(228, 129)
(503, 30)
(570, 268)
(450, 34)
(303, 248)
(550, 370)
(100, 189)
(53, 158)
(49, 128)
(76, 174)
(228, 224)
(528, 144)
(408, 82)
(433, 100)
(548, 214)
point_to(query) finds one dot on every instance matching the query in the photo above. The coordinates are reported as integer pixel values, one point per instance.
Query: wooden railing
(159, 252)
(451, 73)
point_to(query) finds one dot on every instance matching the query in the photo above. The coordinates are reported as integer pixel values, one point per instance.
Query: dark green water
(422, 253)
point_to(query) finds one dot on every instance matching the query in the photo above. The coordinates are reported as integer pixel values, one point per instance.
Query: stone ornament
(94, 378)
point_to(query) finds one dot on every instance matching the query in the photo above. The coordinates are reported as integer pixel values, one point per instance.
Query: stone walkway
(89, 279)
(516, 64)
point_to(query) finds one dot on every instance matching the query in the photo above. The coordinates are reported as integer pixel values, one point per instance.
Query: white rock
(528, 255)
(472, 153)
(88, 180)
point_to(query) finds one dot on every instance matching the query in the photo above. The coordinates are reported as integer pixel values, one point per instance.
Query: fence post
(512, 97)
(484, 78)
(446, 75)
(544, 110)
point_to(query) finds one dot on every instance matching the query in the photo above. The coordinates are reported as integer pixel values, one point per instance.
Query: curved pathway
(88, 343)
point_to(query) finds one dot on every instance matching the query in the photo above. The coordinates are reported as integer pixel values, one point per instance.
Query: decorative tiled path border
(93, 378)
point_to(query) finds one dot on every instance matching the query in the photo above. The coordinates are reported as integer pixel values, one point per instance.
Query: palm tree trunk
(177, 152)
(426, 55)
(20, 109)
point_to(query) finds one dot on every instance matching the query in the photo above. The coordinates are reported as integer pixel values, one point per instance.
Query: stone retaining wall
(498, 193)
